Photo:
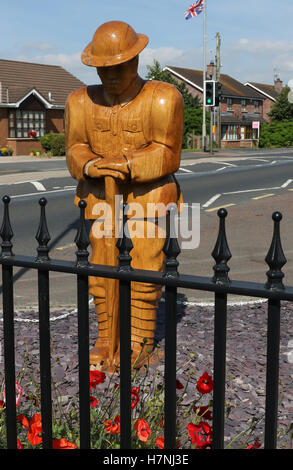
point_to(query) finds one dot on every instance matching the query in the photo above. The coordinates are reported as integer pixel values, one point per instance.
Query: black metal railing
(220, 283)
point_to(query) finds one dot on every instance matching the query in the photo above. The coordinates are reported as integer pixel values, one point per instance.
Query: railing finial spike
(6, 232)
(275, 257)
(43, 236)
(124, 244)
(171, 246)
(82, 240)
(221, 252)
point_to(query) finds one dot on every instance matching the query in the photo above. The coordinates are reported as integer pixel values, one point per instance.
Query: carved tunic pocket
(101, 135)
(133, 132)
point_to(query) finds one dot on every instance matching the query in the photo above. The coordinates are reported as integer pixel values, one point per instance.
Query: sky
(256, 35)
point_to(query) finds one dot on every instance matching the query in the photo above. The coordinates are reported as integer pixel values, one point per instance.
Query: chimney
(278, 84)
(210, 70)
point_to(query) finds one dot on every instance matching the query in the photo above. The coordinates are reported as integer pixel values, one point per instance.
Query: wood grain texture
(124, 137)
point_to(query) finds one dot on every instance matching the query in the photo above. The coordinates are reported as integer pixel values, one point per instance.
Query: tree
(192, 104)
(282, 109)
(155, 72)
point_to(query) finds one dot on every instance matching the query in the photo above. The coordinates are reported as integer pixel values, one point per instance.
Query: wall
(3, 126)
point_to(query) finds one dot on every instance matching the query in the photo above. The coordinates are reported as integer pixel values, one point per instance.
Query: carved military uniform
(145, 126)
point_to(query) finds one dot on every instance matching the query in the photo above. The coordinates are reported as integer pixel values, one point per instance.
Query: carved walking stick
(112, 285)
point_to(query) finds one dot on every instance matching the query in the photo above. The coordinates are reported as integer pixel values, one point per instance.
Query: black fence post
(276, 260)
(124, 245)
(221, 255)
(171, 250)
(43, 238)
(82, 241)
(8, 328)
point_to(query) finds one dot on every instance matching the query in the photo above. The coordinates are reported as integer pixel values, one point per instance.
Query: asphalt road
(247, 184)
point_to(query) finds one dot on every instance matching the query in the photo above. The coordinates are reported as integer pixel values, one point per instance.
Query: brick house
(269, 92)
(240, 105)
(32, 98)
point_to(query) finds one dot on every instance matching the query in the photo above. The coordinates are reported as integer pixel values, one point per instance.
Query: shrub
(58, 145)
(276, 134)
(53, 143)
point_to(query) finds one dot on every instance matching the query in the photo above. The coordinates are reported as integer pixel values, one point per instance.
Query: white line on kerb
(39, 186)
(211, 200)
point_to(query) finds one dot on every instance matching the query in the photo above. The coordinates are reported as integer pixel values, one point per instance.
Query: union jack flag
(195, 9)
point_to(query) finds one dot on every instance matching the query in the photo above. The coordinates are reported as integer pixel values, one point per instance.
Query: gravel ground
(246, 355)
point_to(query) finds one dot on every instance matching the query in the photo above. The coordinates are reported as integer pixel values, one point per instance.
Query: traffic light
(209, 92)
(218, 93)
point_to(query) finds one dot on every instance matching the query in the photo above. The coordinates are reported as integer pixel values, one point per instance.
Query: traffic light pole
(204, 77)
(211, 131)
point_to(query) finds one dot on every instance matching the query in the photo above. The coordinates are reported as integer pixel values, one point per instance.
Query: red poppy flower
(2, 403)
(205, 383)
(134, 397)
(63, 444)
(160, 442)
(113, 426)
(143, 430)
(93, 402)
(34, 433)
(23, 420)
(179, 385)
(96, 377)
(203, 412)
(255, 445)
(19, 444)
(200, 434)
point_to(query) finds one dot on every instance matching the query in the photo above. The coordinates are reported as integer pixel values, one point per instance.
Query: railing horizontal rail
(244, 288)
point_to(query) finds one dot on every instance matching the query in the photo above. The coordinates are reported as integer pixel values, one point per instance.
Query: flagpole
(204, 77)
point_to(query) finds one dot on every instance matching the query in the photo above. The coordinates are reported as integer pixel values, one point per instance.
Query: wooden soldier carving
(123, 137)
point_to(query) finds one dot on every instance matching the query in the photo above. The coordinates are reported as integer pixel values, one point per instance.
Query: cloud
(266, 46)
(29, 47)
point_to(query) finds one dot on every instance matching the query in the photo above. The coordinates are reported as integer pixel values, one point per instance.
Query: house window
(229, 104)
(21, 122)
(256, 106)
(243, 105)
(230, 132)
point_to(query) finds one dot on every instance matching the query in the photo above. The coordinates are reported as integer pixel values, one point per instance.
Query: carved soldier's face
(117, 78)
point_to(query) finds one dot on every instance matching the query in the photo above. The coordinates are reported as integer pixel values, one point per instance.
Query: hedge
(276, 134)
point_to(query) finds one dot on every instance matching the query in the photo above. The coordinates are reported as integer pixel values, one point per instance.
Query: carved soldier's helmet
(113, 43)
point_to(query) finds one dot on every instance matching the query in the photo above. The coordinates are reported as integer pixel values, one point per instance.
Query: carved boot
(99, 354)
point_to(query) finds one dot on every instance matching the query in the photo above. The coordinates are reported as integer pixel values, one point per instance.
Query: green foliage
(276, 134)
(54, 143)
(282, 109)
(155, 72)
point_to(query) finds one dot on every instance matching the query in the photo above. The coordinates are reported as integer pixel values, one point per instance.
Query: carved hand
(116, 167)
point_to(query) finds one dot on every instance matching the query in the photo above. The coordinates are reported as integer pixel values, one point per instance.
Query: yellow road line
(219, 207)
(264, 195)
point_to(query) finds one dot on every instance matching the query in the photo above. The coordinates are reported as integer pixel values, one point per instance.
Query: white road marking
(187, 171)
(284, 185)
(223, 168)
(211, 200)
(225, 163)
(251, 190)
(44, 192)
(39, 186)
